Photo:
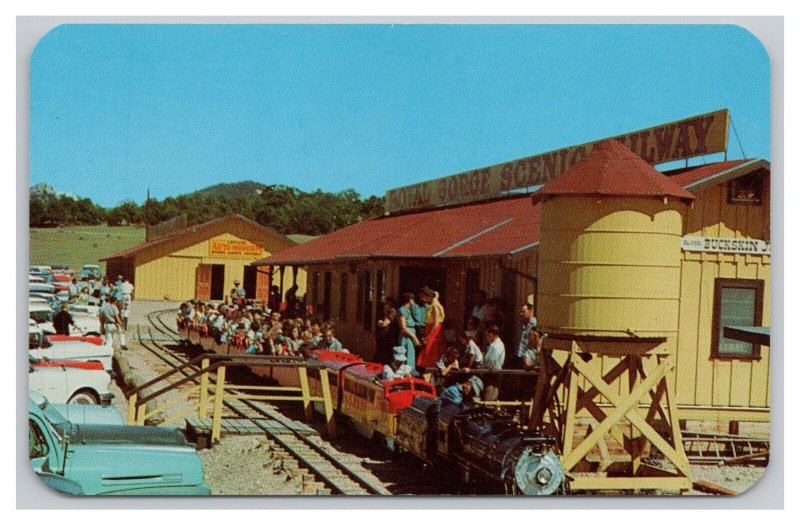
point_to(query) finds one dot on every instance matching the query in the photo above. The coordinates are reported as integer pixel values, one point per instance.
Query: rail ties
(337, 470)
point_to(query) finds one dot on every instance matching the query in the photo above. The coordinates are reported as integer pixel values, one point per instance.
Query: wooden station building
(202, 261)
(481, 230)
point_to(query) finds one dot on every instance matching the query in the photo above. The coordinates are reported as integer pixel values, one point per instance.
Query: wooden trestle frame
(570, 387)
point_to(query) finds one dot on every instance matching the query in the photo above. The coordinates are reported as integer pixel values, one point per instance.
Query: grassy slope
(79, 245)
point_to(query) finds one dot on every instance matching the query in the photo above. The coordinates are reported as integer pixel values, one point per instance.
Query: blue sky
(119, 109)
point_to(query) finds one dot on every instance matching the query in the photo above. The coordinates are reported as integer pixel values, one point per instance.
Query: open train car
(356, 387)
(372, 404)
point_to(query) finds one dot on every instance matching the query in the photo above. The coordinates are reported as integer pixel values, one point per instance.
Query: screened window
(748, 189)
(737, 302)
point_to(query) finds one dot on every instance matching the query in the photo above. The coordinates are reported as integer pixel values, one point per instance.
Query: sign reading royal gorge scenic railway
(683, 139)
(233, 248)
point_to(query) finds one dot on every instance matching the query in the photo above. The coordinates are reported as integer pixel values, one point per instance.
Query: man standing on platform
(493, 360)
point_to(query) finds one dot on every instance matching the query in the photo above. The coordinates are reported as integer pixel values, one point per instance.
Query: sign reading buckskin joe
(233, 248)
(683, 139)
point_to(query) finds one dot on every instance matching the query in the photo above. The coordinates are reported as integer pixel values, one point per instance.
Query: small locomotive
(483, 443)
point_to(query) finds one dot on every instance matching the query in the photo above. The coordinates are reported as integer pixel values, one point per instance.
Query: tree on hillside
(126, 213)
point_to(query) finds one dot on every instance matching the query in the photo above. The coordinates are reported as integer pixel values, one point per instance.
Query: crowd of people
(113, 300)
(412, 335)
(258, 331)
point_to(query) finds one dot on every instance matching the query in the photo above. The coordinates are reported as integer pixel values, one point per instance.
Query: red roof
(614, 170)
(507, 226)
(499, 227)
(691, 176)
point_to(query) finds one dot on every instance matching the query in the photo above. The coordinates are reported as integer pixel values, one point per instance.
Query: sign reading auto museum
(233, 248)
(683, 139)
(724, 245)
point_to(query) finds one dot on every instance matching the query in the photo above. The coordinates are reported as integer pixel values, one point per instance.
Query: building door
(508, 296)
(472, 285)
(326, 295)
(412, 278)
(217, 282)
(249, 281)
(202, 282)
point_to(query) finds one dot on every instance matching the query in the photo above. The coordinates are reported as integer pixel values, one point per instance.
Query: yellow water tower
(609, 289)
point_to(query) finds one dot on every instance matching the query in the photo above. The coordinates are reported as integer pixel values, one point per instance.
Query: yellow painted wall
(167, 272)
(739, 385)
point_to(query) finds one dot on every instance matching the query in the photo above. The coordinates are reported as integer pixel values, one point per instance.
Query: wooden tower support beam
(623, 406)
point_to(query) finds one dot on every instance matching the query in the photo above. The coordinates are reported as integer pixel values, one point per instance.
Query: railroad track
(339, 472)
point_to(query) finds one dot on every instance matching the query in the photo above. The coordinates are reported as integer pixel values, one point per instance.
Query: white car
(66, 384)
(72, 348)
(41, 312)
(80, 414)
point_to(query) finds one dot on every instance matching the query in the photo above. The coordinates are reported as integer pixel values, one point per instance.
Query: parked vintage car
(41, 288)
(70, 384)
(42, 313)
(110, 459)
(45, 272)
(92, 271)
(73, 348)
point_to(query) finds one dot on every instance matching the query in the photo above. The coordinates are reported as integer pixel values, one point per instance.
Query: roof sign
(683, 139)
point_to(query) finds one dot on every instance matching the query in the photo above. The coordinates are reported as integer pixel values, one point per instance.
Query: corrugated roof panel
(425, 234)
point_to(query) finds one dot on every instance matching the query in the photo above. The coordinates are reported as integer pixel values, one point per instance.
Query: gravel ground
(250, 466)
(736, 478)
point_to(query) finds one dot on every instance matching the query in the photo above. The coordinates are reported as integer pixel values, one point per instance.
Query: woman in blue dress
(408, 329)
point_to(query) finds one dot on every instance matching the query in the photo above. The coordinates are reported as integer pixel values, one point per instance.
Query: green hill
(245, 188)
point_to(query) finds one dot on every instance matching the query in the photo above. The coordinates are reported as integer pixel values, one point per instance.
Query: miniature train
(483, 443)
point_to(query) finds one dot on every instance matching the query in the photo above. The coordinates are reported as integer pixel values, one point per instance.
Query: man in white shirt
(493, 359)
(127, 291)
(112, 323)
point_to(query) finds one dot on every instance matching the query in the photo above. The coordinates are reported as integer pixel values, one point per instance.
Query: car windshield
(56, 420)
(34, 341)
(41, 317)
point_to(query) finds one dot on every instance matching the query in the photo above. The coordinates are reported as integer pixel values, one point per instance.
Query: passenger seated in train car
(470, 355)
(307, 346)
(464, 392)
(397, 368)
(254, 340)
(448, 362)
(315, 326)
(329, 342)
(185, 316)
(293, 341)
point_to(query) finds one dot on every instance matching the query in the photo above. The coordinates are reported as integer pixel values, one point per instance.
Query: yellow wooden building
(202, 261)
(471, 232)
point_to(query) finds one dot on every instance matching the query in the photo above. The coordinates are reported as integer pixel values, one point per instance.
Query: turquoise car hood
(107, 459)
